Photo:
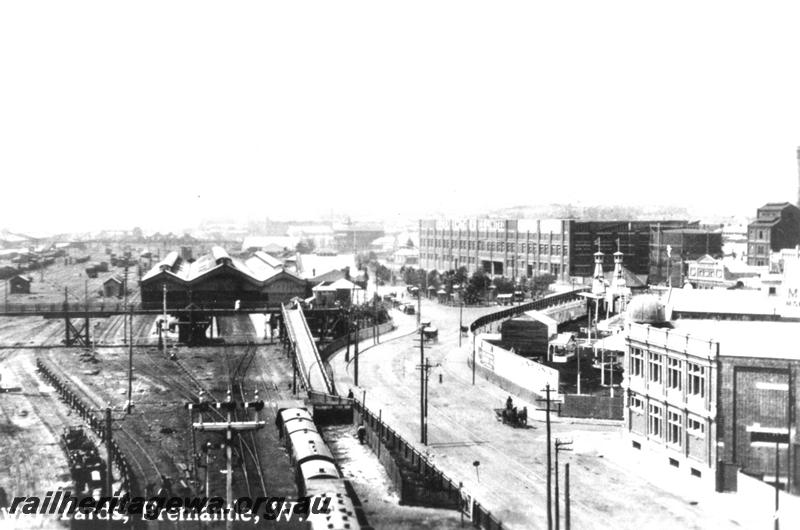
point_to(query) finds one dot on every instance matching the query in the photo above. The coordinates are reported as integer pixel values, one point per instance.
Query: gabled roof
(113, 278)
(255, 270)
(20, 276)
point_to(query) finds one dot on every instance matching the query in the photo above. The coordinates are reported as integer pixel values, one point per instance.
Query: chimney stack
(798, 178)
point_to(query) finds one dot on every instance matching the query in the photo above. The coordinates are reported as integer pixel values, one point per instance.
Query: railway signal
(229, 427)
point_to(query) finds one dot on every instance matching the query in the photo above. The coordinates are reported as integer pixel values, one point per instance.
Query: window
(696, 427)
(636, 403)
(654, 367)
(637, 362)
(674, 374)
(675, 428)
(654, 420)
(697, 381)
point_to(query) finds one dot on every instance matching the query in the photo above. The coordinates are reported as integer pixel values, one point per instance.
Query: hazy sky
(160, 113)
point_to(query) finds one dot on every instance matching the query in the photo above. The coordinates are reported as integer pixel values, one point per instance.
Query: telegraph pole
(228, 427)
(560, 446)
(777, 489)
(125, 303)
(130, 365)
(164, 325)
(547, 391)
(110, 457)
(355, 356)
(566, 496)
(423, 438)
(460, 321)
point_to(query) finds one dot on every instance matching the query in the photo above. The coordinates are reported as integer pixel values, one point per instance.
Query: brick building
(526, 247)
(671, 248)
(713, 398)
(777, 226)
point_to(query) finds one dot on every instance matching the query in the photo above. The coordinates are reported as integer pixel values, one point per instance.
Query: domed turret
(646, 309)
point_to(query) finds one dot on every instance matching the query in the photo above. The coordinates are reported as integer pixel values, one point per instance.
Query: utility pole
(560, 446)
(547, 391)
(419, 306)
(777, 489)
(228, 427)
(566, 497)
(423, 438)
(109, 455)
(460, 321)
(125, 304)
(164, 325)
(473, 358)
(355, 356)
(130, 365)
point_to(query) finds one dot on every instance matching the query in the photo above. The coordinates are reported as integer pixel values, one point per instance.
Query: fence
(538, 305)
(402, 461)
(97, 425)
(517, 370)
(363, 334)
(595, 407)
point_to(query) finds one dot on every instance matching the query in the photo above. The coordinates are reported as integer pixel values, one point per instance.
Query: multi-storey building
(671, 248)
(526, 247)
(777, 226)
(715, 398)
(671, 409)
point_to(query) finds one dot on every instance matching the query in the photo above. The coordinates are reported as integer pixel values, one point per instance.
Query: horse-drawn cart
(512, 416)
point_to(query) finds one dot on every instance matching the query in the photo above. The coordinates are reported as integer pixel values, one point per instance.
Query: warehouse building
(525, 247)
(217, 280)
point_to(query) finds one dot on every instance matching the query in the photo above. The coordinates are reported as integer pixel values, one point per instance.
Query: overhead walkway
(309, 364)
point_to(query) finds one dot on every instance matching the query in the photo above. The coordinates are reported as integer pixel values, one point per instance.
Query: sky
(159, 114)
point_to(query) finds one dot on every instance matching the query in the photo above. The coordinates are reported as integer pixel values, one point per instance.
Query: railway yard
(49, 389)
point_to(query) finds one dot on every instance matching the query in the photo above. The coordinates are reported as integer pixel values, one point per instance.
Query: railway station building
(526, 247)
(217, 280)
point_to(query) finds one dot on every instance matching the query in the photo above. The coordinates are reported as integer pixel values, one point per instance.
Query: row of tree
(474, 287)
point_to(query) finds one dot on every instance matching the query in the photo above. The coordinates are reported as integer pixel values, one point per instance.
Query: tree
(461, 276)
(503, 285)
(541, 283)
(476, 286)
(382, 273)
(433, 279)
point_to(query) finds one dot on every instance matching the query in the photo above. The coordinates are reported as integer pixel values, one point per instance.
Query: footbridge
(309, 363)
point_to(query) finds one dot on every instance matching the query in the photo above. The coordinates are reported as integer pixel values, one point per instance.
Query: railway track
(149, 475)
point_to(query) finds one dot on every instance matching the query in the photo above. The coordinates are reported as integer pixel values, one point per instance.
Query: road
(606, 478)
